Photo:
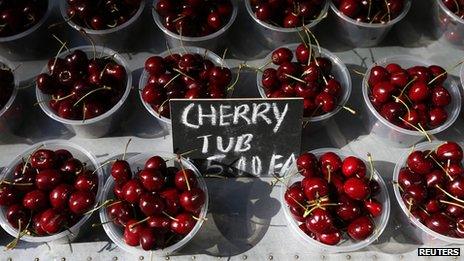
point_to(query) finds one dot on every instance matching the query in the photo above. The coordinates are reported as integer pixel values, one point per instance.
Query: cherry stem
(102, 165)
(179, 159)
(407, 85)
(138, 222)
(104, 204)
(84, 33)
(182, 73)
(442, 168)
(358, 72)
(371, 165)
(299, 204)
(160, 109)
(398, 99)
(60, 41)
(329, 174)
(369, 10)
(388, 10)
(15, 241)
(63, 98)
(199, 218)
(425, 132)
(416, 128)
(170, 81)
(90, 93)
(125, 149)
(452, 203)
(61, 22)
(232, 86)
(169, 216)
(448, 194)
(350, 110)
(224, 57)
(395, 183)
(294, 78)
(57, 55)
(16, 184)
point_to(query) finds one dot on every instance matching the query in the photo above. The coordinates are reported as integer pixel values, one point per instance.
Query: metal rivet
(455, 257)
(244, 257)
(167, 258)
(141, 257)
(271, 257)
(323, 257)
(296, 256)
(36, 259)
(63, 259)
(9, 259)
(89, 258)
(348, 257)
(374, 257)
(115, 258)
(193, 257)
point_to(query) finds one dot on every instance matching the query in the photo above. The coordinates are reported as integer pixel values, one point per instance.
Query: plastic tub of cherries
(10, 102)
(183, 72)
(366, 23)
(320, 78)
(408, 99)
(429, 186)
(108, 23)
(85, 88)
(276, 23)
(49, 192)
(449, 21)
(201, 23)
(334, 202)
(158, 209)
(23, 23)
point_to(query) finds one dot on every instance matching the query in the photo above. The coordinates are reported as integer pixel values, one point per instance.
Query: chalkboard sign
(257, 137)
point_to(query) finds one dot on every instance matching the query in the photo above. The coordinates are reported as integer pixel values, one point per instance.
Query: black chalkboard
(255, 137)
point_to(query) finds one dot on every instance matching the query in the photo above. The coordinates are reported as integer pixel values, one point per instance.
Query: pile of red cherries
(82, 88)
(101, 15)
(19, 15)
(432, 188)
(158, 206)
(311, 80)
(371, 11)
(194, 18)
(455, 6)
(188, 75)
(335, 195)
(6, 85)
(48, 193)
(289, 13)
(413, 98)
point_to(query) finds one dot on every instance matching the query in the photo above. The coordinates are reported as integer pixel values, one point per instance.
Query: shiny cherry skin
(155, 163)
(52, 221)
(356, 188)
(373, 207)
(121, 171)
(132, 233)
(315, 187)
(80, 202)
(48, 179)
(418, 163)
(184, 179)
(43, 159)
(440, 223)
(361, 228)
(17, 216)
(353, 166)
(120, 212)
(192, 200)
(151, 204)
(59, 196)
(151, 180)
(450, 151)
(35, 200)
(319, 221)
(132, 191)
(183, 224)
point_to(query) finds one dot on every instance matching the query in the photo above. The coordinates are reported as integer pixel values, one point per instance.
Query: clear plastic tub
(11, 113)
(103, 124)
(345, 245)
(421, 232)
(448, 27)
(163, 121)
(78, 152)
(211, 42)
(273, 36)
(462, 80)
(115, 233)
(364, 34)
(340, 72)
(18, 47)
(388, 132)
(119, 37)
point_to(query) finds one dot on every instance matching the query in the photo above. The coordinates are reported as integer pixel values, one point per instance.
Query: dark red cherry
(361, 228)
(192, 200)
(80, 202)
(319, 221)
(185, 179)
(121, 171)
(183, 224)
(132, 191)
(59, 196)
(356, 188)
(151, 204)
(151, 180)
(35, 200)
(43, 159)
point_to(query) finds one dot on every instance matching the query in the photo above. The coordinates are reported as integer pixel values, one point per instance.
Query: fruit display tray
(245, 219)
